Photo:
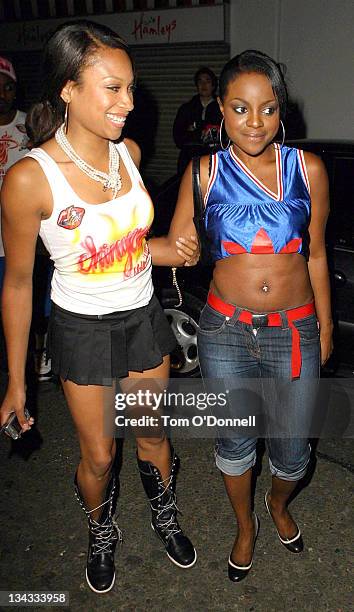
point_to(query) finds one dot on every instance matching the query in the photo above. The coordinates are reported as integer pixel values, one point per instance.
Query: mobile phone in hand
(12, 427)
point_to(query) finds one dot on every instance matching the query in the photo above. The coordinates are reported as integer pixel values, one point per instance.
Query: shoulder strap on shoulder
(128, 162)
(197, 192)
(55, 177)
(45, 160)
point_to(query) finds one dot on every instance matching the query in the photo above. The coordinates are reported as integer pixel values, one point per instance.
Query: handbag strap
(197, 192)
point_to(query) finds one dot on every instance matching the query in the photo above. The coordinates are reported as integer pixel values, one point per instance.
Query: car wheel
(184, 323)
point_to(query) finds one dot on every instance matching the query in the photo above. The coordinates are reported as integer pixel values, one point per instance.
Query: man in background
(13, 139)
(14, 144)
(197, 123)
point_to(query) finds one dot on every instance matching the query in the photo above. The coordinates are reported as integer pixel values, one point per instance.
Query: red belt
(271, 319)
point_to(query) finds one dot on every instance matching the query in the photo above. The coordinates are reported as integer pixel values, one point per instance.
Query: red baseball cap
(7, 68)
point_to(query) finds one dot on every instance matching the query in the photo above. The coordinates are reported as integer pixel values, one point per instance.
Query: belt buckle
(259, 320)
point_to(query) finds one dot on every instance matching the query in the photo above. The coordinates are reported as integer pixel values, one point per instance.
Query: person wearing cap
(13, 138)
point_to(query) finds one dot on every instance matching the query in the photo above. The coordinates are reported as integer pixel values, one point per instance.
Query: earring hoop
(283, 129)
(220, 137)
(66, 117)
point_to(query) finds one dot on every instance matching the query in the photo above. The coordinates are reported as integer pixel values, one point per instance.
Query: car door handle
(340, 278)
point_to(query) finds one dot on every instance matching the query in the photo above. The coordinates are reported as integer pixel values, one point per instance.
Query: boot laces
(168, 525)
(106, 533)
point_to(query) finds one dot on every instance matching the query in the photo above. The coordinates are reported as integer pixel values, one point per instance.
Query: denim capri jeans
(236, 352)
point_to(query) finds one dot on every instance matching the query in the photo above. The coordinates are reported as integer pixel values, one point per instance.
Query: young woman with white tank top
(85, 197)
(102, 261)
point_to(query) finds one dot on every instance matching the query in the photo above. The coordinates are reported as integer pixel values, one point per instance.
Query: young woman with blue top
(268, 313)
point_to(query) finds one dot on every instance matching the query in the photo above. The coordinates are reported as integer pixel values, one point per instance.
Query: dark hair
(209, 72)
(256, 61)
(66, 54)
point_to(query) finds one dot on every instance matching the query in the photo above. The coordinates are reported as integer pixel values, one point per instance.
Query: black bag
(204, 243)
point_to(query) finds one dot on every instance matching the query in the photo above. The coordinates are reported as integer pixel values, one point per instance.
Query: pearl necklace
(112, 180)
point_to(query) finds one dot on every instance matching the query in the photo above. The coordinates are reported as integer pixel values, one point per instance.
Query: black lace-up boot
(161, 494)
(104, 534)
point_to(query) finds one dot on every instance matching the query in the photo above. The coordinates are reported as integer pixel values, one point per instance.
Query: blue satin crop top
(243, 216)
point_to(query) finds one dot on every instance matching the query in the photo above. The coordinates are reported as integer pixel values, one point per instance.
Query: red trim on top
(292, 247)
(280, 184)
(304, 169)
(233, 248)
(276, 196)
(262, 243)
(212, 177)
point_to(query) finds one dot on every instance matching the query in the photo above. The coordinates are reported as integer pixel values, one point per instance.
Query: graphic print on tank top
(242, 215)
(71, 217)
(116, 244)
(119, 244)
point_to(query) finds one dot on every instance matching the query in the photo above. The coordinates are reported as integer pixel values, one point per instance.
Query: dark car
(338, 157)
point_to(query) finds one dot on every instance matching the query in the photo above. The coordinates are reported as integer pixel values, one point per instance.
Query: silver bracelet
(176, 286)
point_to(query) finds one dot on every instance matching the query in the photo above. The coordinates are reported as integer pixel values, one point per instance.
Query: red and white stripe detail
(303, 169)
(212, 177)
(280, 187)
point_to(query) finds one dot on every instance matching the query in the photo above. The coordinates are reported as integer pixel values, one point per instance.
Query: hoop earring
(220, 137)
(283, 129)
(66, 117)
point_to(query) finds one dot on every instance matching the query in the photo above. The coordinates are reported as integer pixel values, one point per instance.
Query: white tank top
(101, 259)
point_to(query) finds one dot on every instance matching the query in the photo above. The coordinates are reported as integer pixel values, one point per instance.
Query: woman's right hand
(14, 401)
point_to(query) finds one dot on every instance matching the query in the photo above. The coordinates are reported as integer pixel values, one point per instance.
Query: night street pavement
(44, 534)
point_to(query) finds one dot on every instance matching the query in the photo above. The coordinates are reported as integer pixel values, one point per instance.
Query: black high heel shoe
(239, 572)
(295, 544)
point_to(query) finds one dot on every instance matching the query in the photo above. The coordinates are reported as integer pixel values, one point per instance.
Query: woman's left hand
(188, 248)
(326, 342)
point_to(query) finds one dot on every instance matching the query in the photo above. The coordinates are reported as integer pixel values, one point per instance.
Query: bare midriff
(263, 283)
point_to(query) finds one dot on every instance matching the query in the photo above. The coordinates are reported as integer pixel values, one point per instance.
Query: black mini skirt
(98, 349)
